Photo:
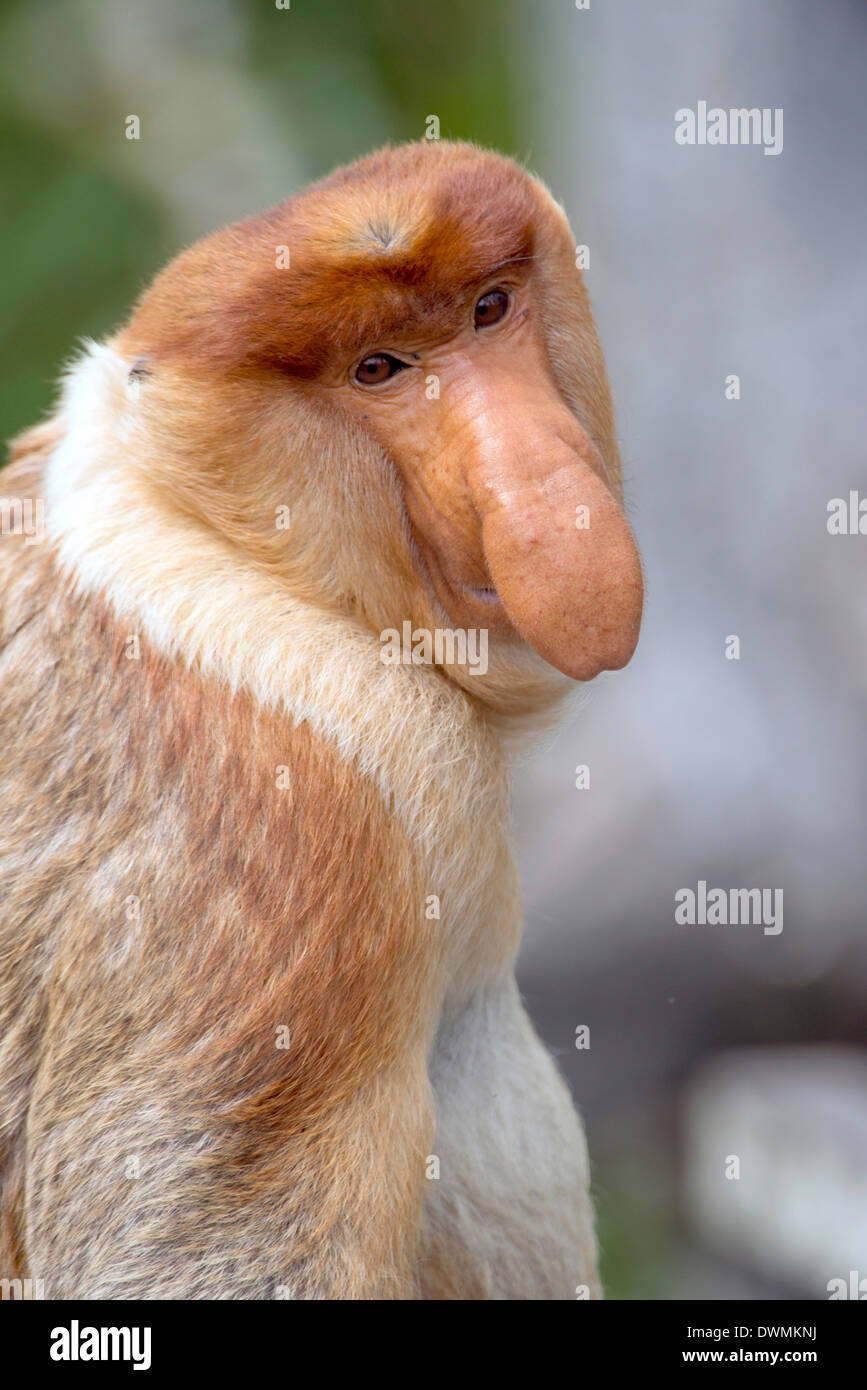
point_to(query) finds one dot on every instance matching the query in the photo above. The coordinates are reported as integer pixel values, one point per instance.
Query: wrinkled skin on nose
(514, 497)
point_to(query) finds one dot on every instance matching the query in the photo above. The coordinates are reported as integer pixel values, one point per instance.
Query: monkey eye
(491, 308)
(378, 367)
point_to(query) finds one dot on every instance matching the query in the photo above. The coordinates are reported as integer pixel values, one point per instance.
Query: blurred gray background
(707, 1044)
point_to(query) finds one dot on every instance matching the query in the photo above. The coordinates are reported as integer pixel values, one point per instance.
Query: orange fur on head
(391, 254)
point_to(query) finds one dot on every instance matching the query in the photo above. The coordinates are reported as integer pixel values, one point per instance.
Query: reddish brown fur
(188, 1013)
(224, 304)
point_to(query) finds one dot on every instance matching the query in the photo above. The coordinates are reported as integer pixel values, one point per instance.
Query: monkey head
(403, 356)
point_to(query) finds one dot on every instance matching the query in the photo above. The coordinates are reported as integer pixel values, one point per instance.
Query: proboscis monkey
(260, 1030)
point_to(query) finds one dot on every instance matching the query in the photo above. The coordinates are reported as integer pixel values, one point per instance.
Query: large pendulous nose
(558, 547)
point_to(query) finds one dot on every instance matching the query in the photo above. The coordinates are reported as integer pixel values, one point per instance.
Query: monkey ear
(138, 371)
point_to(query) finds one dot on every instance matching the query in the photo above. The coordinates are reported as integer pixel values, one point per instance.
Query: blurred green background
(239, 103)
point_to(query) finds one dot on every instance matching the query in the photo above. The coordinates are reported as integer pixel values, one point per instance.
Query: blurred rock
(776, 1163)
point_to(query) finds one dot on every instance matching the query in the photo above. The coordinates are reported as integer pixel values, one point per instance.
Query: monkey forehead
(377, 256)
(390, 246)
